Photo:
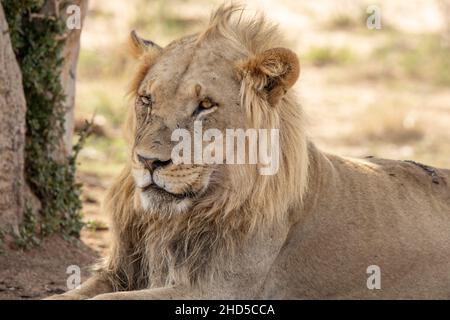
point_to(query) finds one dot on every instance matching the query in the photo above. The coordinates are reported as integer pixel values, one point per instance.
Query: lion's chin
(158, 201)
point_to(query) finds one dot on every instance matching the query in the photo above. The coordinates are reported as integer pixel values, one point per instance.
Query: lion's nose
(153, 163)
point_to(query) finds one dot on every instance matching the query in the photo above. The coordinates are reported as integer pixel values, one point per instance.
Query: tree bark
(12, 134)
(68, 77)
(68, 73)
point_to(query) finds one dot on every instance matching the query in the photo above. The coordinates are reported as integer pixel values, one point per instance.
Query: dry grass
(389, 124)
(322, 56)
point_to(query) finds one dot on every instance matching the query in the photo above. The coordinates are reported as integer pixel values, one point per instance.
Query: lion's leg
(92, 287)
(169, 293)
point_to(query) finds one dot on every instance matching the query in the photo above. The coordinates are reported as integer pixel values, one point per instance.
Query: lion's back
(431, 182)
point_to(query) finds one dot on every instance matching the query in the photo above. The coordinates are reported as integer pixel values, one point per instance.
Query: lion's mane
(191, 248)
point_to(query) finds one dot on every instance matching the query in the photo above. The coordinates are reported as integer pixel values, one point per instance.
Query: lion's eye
(204, 105)
(145, 100)
(144, 105)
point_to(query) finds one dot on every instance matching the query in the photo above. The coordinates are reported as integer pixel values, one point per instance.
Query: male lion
(315, 229)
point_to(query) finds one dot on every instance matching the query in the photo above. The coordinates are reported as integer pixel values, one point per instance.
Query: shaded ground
(41, 272)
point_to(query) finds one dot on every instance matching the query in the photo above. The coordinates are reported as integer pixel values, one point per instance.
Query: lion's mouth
(164, 193)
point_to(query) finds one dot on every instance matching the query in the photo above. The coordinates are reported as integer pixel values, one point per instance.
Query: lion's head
(234, 75)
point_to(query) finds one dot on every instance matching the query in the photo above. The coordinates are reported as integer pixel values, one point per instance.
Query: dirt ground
(41, 272)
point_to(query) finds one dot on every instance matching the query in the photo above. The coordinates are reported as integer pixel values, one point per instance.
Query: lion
(322, 227)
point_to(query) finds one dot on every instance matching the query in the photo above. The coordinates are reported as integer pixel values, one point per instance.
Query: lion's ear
(139, 46)
(273, 72)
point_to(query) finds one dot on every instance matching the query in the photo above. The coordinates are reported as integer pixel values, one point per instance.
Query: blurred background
(382, 92)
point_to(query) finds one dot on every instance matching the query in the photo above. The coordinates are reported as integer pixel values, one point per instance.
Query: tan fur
(309, 231)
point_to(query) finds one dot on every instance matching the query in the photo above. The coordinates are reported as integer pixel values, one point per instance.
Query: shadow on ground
(41, 272)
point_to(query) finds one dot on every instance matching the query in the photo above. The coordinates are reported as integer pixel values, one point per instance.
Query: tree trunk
(68, 77)
(68, 73)
(12, 134)
(14, 192)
